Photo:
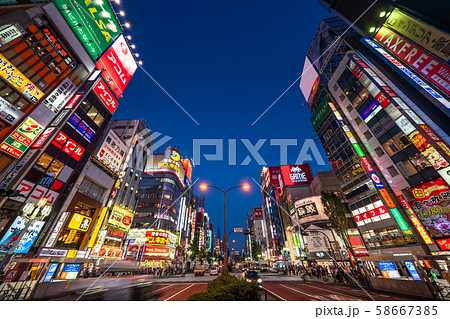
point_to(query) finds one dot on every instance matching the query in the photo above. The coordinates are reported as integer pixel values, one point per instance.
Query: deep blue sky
(225, 62)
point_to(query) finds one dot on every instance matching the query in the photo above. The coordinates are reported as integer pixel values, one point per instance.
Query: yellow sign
(80, 222)
(97, 227)
(72, 253)
(19, 81)
(120, 218)
(421, 33)
(70, 237)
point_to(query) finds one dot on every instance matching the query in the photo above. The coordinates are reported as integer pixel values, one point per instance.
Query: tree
(256, 249)
(193, 248)
(336, 213)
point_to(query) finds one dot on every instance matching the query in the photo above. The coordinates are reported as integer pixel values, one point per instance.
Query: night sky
(225, 62)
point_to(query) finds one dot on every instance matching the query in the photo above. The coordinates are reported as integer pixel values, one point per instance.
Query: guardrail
(268, 293)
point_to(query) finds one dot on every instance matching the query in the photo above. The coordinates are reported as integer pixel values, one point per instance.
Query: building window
(379, 151)
(392, 171)
(368, 135)
(342, 97)
(349, 108)
(44, 161)
(335, 87)
(91, 190)
(358, 120)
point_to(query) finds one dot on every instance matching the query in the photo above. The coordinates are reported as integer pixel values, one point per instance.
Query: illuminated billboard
(19, 81)
(21, 138)
(309, 81)
(117, 66)
(93, 22)
(432, 205)
(296, 174)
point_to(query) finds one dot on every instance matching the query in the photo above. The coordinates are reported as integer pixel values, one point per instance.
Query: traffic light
(9, 192)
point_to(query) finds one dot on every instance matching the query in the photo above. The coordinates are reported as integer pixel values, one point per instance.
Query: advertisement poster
(120, 218)
(432, 205)
(70, 271)
(51, 271)
(112, 151)
(13, 233)
(118, 65)
(412, 270)
(309, 209)
(388, 269)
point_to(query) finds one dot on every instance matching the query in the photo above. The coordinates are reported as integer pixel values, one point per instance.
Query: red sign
(70, 147)
(381, 210)
(373, 213)
(296, 174)
(435, 138)
(382, 99)
(73, 101)
(257, 213)
(366, 164)
(11, 274)
(389, 91)
(429, 189)
(43, 137)
(361, 252)
(118, 66)
(273, 172)
(106, 97)
(444, 244)
(423, 62)
(156, 237)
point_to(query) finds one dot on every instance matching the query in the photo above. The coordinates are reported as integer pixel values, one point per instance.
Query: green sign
(321, 113)
(358, 150)
(93, 22)
(400, 221)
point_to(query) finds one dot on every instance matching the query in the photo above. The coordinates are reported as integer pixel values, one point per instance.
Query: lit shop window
(44, 161)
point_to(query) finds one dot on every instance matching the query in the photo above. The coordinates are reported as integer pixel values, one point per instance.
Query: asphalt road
(279, 287)
(287, 288)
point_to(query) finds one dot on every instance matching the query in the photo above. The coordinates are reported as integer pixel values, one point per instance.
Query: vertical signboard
(118, 66)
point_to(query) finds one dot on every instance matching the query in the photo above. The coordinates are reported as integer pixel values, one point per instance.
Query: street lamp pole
(225, 237)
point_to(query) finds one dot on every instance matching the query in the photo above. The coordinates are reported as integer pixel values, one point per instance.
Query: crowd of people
(323, 273)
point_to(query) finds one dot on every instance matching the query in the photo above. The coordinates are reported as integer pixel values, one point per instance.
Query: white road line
(301, 292)
(330, 290)
(361, 293)
(163, 288)
(179, 292)
(275, 294)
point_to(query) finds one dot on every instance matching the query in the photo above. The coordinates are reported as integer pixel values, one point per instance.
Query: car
(199, 270)
(264, 268)
(213, 270)
(252, 275)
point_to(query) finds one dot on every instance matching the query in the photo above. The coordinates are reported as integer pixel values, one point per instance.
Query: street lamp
(245, 187)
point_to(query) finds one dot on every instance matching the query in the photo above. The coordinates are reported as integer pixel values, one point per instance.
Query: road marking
(275, 294)
(301, 292)
(163, 288)
(327, 290)
(179, 292)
